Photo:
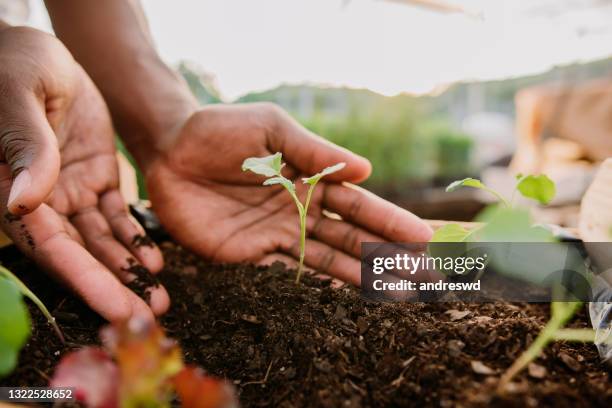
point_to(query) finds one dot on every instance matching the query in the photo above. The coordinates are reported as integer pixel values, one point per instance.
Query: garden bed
(284, 344)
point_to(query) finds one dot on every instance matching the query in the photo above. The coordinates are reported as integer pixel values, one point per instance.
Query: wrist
(151, 118)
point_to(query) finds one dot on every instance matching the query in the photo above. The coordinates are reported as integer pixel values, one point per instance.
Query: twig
(265, 379)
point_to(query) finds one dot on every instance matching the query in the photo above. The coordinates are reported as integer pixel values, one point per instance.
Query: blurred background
(429, 91)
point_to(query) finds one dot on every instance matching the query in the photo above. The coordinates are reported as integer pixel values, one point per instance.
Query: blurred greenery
(405, 143)
(411, 141)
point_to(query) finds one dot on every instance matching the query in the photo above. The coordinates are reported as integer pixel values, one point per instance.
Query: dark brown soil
(142, 240)
(310, 345)
(144, 280)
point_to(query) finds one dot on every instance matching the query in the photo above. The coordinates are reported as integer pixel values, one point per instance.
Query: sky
(385, 46)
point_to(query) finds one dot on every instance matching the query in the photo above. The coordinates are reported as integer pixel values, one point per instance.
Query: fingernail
(21, 183)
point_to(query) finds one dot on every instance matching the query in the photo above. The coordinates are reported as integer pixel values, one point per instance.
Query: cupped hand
(208, 204)
(59, 178)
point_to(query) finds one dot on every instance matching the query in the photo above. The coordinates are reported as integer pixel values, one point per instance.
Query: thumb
(29, 146)
(310, 153)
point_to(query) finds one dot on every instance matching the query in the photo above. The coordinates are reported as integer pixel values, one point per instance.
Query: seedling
(14, 324)
(138, 367)
(507, 223)
(503, 221)
(271, 166)
(25, 291)
(15, 319)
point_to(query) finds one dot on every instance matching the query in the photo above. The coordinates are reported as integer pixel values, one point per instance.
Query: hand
(59, 177)
(209, 205)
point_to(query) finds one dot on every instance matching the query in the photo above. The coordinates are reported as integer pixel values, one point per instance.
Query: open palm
(207, 203)
(81, 232)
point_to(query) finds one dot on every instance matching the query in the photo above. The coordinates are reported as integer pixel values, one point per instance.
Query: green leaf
(504, 224)
(282, 181)
(325, 172)
(268, 166)
(450, 233)
(466, 182)
(475, 183)
(14, 325)
(539, 188)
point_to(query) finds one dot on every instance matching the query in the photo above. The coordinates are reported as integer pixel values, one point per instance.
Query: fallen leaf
(457, 314)
(536, 370)
(570, 362)
(455, 347)
(251, 319)
(482, 319)
(479, 368)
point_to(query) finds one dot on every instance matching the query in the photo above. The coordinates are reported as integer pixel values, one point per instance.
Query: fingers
(278, 257)
(100, 241)
(127, 231)
(329, 261)
(310, 153)
(41, 236)
(387, 220)
(29, 146)
(90, 280)
(341, 235)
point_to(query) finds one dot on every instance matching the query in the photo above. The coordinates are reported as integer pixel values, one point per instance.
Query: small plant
(503, 221)
(271, 166)
(15, 319)
(14, 324)
(506, 223)
(138, 367)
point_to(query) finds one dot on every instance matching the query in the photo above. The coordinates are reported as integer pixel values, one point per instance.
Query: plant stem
(302, 247)
(580, 335)
(499, 197)
(545, 337)
(561, 312)
(303, 215)
(25, 291)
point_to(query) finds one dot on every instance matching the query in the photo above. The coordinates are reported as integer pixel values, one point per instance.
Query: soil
(283, 344)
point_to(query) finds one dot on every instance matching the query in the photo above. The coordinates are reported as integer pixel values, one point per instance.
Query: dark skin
(191, 158)
(60, 132)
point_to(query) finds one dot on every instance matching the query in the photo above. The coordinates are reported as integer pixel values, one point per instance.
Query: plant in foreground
(270, 167)
(138, 367)
(14, 325)
(15, 319)
(506, 223)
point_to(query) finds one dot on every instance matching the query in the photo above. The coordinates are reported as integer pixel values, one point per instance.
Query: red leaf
(196, 390)
(147, 361)
(92, 373)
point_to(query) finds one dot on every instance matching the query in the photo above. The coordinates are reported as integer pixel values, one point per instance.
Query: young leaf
(539, 188)
(450, 233)
(509, 225)
(475, 183)
(93, 375)
(268, 166)
(312, 180)
(14, 325)
(282, 181)
(196, 390)
(466, 182)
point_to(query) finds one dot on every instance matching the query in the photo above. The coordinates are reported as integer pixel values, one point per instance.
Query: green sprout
(25, 291)
(506, 223)
(14, 324)
(270, 167)
(560, 314)
(500, 222)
